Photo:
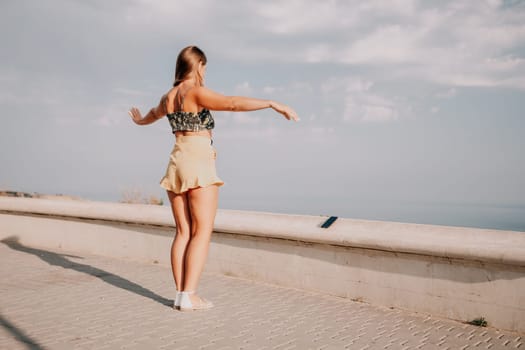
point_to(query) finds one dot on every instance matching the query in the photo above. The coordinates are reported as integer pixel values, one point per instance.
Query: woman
(191, 180)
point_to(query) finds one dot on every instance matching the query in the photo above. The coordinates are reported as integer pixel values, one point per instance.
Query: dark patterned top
(189, 121)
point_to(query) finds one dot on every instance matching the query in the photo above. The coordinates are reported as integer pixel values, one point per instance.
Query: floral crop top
(190, 121)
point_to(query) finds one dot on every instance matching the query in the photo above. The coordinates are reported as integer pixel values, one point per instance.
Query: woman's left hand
(135, 115)
(286, 111)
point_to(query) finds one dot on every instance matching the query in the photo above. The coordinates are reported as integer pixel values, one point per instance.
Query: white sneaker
(187, 305)
(176, 303)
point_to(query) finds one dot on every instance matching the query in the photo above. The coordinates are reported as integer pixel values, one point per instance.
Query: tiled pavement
(58, 300)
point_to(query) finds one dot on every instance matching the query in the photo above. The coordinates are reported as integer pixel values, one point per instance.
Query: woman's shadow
(108, 277)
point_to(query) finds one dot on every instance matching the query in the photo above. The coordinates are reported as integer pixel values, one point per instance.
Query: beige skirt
(191, 165)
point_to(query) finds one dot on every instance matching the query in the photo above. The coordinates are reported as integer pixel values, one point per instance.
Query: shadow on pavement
(60, 260)
(19, 334)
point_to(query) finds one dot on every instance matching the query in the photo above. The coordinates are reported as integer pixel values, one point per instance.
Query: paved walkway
(58, 300)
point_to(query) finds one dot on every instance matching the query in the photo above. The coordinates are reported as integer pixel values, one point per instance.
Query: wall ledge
(485, 245)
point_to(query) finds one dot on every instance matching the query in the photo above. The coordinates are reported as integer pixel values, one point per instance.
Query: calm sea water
(500, 217)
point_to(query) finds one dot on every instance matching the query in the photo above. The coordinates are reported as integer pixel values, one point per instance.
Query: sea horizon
(497, 216)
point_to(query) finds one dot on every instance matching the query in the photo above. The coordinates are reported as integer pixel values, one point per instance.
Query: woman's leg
(181, 213)
(203, 207)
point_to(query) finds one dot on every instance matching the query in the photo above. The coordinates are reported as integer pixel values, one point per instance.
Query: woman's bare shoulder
(170, 95)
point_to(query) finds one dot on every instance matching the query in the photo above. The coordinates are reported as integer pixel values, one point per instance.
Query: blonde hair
(187, 62)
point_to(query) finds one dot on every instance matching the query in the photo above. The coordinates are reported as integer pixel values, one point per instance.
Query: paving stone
(51, 299)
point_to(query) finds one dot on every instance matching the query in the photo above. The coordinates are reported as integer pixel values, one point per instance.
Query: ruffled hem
(172, 185)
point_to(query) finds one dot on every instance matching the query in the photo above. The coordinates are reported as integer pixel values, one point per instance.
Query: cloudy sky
(410, 110)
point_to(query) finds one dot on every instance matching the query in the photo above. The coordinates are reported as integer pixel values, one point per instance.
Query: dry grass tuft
(135, 196)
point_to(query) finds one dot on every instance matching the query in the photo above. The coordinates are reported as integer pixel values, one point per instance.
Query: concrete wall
(458, 273)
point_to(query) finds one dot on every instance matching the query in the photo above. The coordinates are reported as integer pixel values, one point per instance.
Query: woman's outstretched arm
(153, 115)
(211, 100)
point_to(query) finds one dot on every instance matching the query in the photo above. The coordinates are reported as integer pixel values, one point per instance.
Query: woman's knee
(201, 231)
(184, 232)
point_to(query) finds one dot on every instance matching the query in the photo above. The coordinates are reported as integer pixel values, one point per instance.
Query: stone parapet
(455, 272)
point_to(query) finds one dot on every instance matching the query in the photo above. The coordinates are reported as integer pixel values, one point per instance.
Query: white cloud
(450, 93)
(272, 90)
(369, 108)
(388, 44)
(389, 8)
(244, 118)
(298, 17)
(349, 85)
(461, 43)
(505, 63)
(299, 88)
(494, 3)
(318, 53)
(360, 102)
(243, 89)
(322, 130)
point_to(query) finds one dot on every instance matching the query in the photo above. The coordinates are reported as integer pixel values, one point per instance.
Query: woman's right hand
(286, 111)
(134, 113)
